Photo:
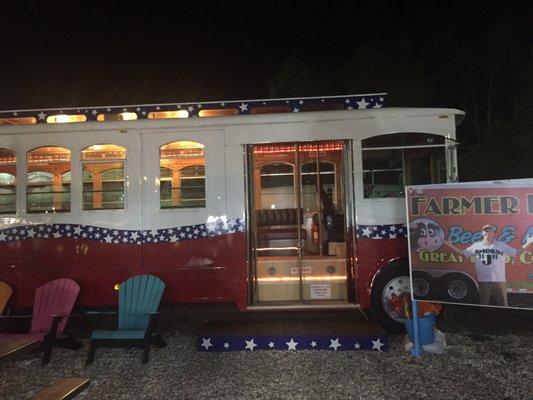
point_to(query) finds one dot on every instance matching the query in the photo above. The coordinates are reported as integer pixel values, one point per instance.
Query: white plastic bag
(437, 347)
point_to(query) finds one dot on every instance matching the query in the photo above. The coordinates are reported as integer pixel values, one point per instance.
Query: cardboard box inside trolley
(267, 204)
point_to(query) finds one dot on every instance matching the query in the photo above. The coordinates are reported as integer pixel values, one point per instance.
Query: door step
(298, 335)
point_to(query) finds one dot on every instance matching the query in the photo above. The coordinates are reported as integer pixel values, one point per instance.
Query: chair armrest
(152, 325)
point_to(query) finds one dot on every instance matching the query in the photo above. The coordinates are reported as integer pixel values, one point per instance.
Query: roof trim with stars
(234, 107)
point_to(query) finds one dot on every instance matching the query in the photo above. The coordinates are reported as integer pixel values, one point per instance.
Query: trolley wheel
(423, 285)
(459, 288)
(393, 279)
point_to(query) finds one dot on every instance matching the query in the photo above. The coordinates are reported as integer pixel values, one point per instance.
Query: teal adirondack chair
(139, 299)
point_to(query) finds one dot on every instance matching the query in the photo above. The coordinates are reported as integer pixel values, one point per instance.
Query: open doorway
(298, 201)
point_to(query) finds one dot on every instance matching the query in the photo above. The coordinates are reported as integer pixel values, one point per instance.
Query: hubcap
(457, 289)
(421, 287)
(398, 286)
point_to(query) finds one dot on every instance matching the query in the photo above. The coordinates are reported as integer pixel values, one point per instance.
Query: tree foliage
(488, 74)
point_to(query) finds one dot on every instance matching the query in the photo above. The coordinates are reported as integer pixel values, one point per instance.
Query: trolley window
(393, 161)
(45, 191)
(182, 175)
(8, 188)
(103, 177)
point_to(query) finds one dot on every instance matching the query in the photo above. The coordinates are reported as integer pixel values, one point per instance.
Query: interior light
(64, 119)
(168, 114)
(128, 116)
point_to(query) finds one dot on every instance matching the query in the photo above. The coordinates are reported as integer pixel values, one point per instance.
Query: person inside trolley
(489, 256)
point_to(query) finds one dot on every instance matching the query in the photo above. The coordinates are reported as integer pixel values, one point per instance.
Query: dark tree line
(487, 73)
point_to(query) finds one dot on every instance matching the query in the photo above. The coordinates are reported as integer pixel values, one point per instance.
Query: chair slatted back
(5, 294)
(138, 297)
(56, 297)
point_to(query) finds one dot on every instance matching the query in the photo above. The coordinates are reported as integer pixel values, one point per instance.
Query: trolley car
(268, 204)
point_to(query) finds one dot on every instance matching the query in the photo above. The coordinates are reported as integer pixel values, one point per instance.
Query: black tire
(424, 285)
(389, 273)
(464, 284)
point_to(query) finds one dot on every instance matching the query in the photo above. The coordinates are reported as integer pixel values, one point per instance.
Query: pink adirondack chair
(52, 307)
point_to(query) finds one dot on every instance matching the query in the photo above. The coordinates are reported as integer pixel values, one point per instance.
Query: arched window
(103, 177)
(8, 188)
(45, 191)
(393, 161)
(277, 186)
(182, 175)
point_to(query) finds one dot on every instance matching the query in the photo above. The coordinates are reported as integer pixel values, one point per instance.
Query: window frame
(123, 161)
(15, 183)
(26, 185)
(160, 207)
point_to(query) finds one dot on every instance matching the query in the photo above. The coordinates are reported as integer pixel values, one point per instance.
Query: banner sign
(472, 243)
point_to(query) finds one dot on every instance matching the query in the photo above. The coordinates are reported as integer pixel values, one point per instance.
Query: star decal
(357, 345)
(250, 345)
(271, 345)
(107, 235)
(243, 107)
(41, 115)
(292, 344)
(362, 104)
(226, 345)
(335, 344)
(377, 345)
(206, 343)
(313, 344)
(380, 231)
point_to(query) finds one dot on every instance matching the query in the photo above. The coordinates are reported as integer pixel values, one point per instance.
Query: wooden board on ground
(10, 349)
(65, 388)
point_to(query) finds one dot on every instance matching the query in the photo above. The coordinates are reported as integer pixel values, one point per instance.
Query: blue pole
(417, 348)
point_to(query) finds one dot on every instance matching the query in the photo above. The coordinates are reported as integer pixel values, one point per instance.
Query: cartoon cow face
(425, 234)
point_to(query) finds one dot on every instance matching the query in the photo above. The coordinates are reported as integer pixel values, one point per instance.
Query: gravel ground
(489, 355)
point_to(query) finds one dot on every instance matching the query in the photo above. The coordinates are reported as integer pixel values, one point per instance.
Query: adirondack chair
(5, 294)
(139, 299)
(52, 308)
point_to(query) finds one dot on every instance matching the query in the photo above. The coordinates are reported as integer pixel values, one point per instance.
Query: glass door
(323, 256)
(297, 213)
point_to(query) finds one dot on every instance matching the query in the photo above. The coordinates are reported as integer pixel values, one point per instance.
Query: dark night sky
(98, 53)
